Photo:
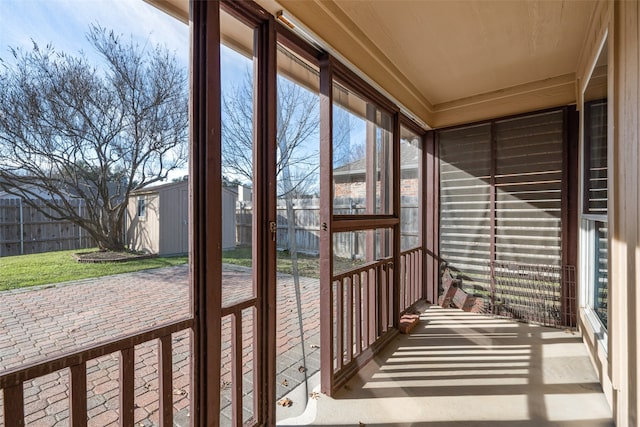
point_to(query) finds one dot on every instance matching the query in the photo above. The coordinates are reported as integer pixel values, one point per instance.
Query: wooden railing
(363, 308)
(362, 305)
(411, 277)
(12, 381)
(239, 362)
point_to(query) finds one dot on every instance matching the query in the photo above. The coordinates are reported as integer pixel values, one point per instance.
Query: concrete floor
(460, 369)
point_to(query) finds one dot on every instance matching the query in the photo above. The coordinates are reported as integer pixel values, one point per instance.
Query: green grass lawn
(308, 266)
(55, 267)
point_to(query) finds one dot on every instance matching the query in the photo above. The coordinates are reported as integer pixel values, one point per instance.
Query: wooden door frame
(205, 187)
(205, 192)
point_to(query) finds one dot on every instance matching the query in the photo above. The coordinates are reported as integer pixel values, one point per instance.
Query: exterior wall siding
(624, 353)
(592, 337)
(617, 360)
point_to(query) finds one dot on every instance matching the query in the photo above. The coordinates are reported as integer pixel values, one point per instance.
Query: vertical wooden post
(127, 373)
(326, 219)
(78, 395)
(431, 213)
(422, 217)
(205, 186)
(165, 381)
(492, 212)
(370, 175)
(21, 227)
(569, 209)
(14, 406)
(264, 213)
(396, 176)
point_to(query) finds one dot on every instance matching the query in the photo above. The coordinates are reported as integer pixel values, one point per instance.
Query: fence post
(79, 228)
(21, 228)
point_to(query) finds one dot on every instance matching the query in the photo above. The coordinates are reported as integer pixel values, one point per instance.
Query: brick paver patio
(42, 322)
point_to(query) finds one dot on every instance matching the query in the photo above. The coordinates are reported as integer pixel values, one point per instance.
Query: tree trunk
(113, 240)
(115, 245)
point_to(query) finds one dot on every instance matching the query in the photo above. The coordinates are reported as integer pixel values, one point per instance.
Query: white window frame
(588, 228)
(142, 216)
(588, 285)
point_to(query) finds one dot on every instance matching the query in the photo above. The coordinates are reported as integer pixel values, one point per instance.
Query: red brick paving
(39, 323)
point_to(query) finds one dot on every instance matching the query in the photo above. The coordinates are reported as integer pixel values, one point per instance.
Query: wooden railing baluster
(358, 285)
(411, 275)
(78, 395)
(340, 323)
(236, 368)
(365, 308)
(371, 288)
(14, 406)
(350, 325)
(11, 382)
(127, 396)
(380, 299)
(165, 380)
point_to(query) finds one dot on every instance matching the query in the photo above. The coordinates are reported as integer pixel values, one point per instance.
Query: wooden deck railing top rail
(11, 381)
(361, 268)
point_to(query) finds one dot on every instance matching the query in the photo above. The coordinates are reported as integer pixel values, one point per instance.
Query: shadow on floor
(463, 369)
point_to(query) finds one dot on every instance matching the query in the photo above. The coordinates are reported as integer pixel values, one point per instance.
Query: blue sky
(64, 23)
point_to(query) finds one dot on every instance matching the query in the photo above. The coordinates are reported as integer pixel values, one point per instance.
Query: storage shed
(157, 219)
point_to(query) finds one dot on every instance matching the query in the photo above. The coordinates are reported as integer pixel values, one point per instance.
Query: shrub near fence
(26, 230)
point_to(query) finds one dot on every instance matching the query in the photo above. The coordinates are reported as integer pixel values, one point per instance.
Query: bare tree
(70, 129)
(298, 162)
(298, 121)
(345, 150)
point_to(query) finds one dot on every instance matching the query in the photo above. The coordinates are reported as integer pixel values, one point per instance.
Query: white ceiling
(453, 61)
(456, 61)
(456, 49)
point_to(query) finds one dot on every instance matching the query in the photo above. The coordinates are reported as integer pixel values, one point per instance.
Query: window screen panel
(465, 232)
(529, 189)
(596, 157)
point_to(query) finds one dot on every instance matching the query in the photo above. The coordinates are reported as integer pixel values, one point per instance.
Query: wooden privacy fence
(306, 214)
(307, 225)
(26, 230)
